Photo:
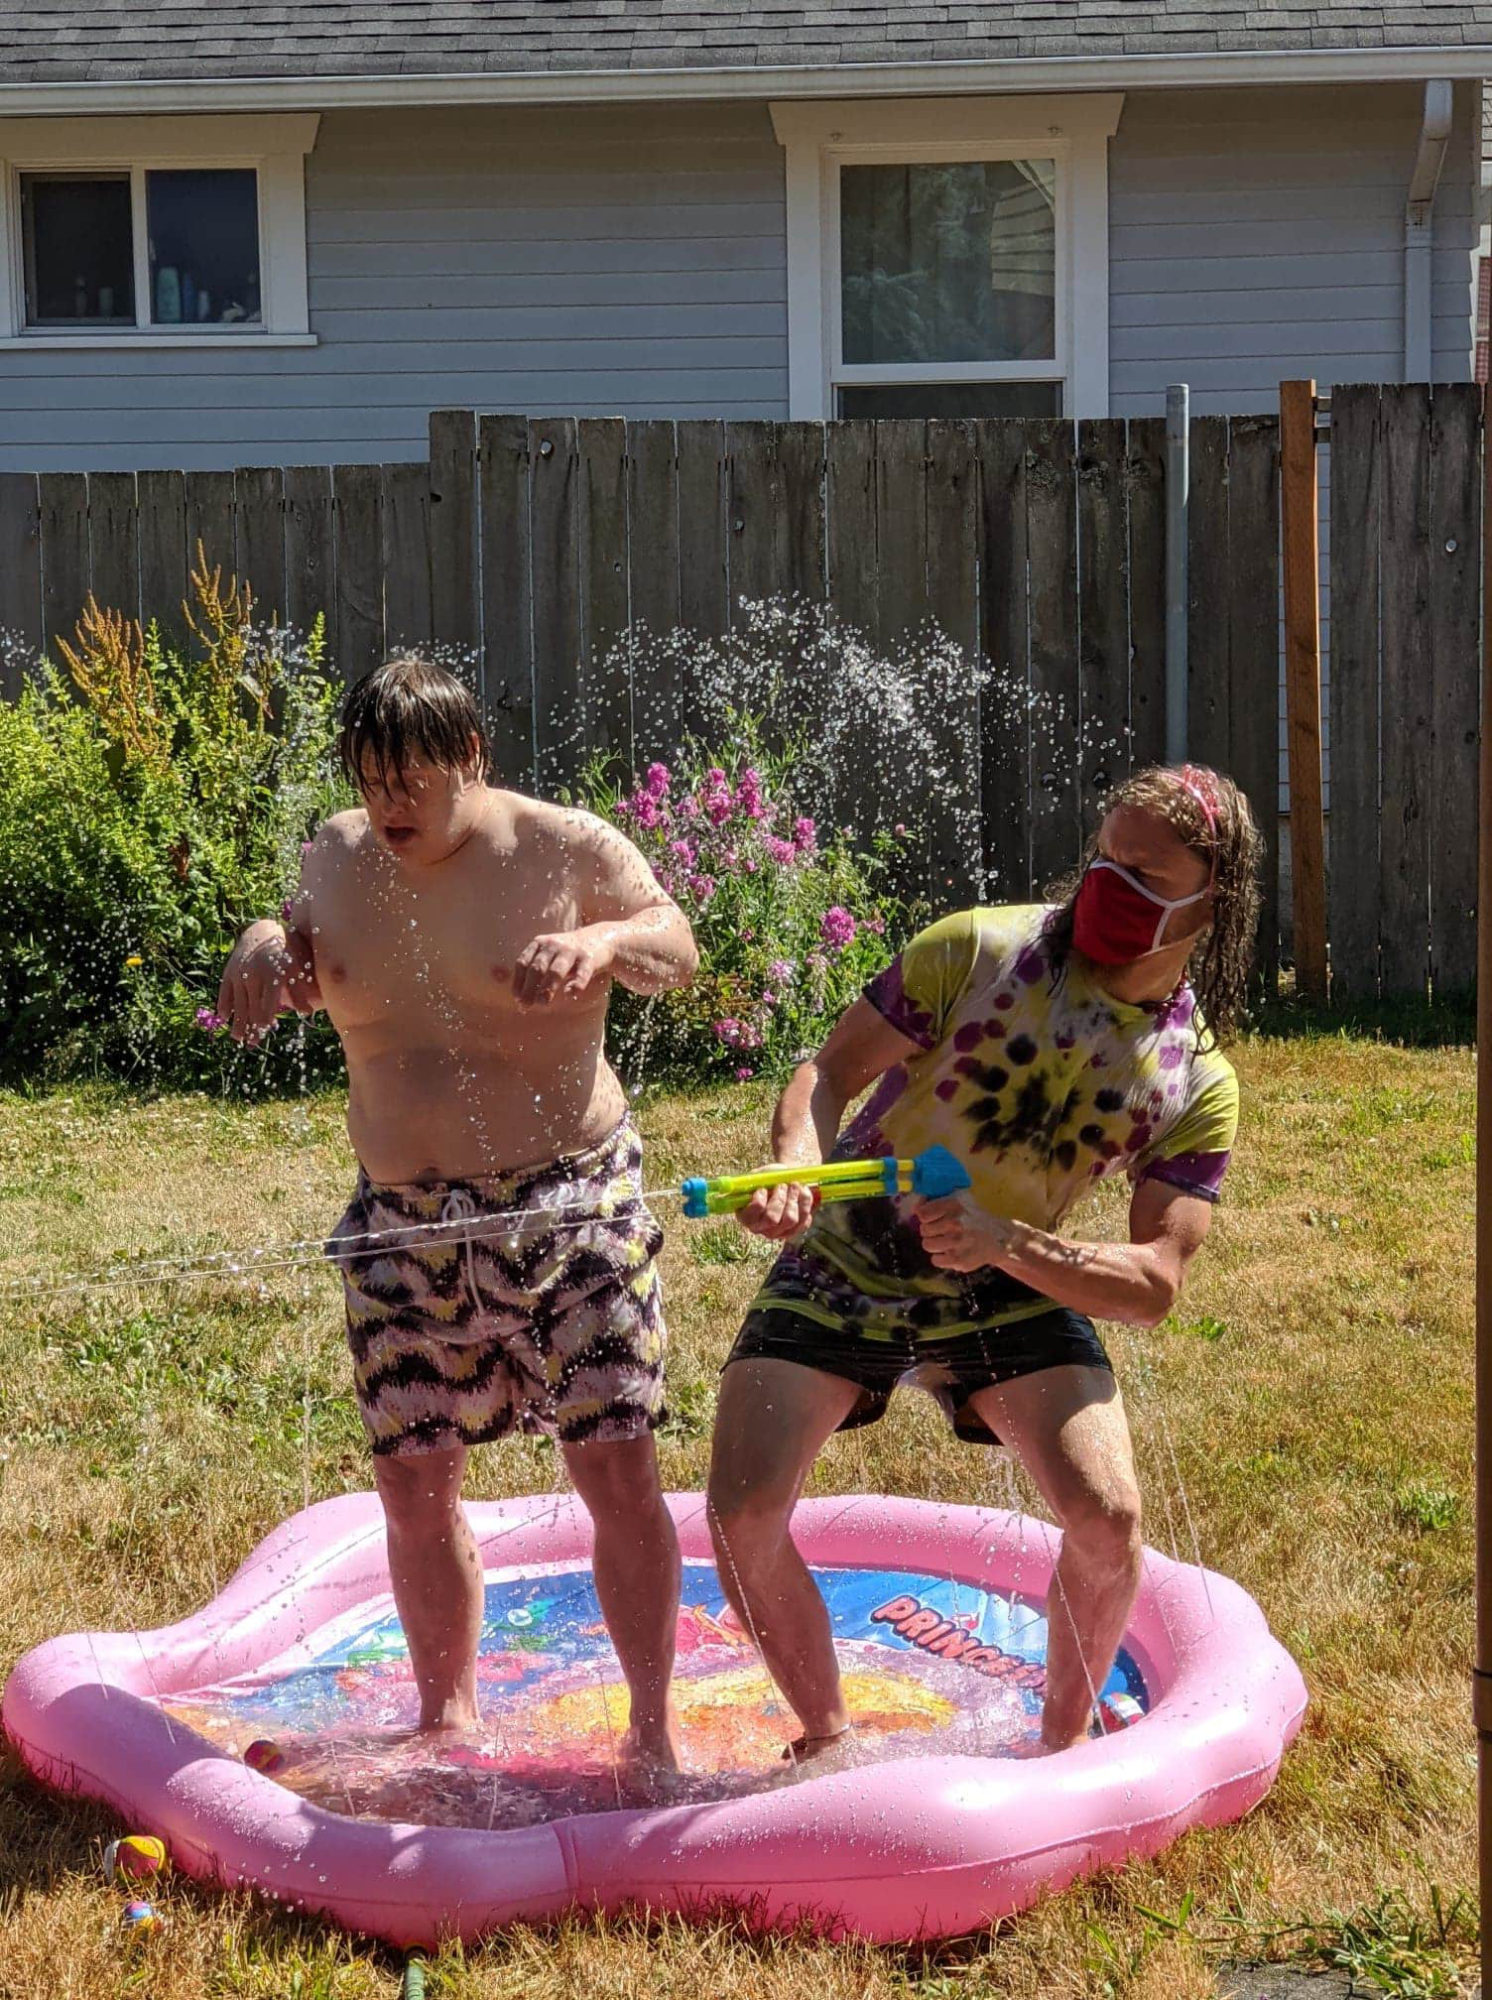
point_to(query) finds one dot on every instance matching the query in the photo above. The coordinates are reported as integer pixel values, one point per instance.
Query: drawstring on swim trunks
(460, 1205)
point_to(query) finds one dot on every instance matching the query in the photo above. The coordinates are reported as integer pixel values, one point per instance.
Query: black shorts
(951, 1369)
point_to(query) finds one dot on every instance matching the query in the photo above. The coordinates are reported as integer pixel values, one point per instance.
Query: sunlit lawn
(1316, 1388)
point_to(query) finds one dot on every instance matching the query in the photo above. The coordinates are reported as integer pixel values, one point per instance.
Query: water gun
(932, 1174)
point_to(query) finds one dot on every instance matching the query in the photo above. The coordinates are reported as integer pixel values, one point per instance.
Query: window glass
(204, 245)
(78, 248)
(949, 262)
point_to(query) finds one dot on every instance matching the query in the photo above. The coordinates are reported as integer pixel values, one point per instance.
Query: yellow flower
(136, 960)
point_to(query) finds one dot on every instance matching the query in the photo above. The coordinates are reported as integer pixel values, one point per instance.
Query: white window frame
(274, 146)
(820, 138)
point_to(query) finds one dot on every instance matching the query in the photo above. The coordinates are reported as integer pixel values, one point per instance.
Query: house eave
(1197, 70)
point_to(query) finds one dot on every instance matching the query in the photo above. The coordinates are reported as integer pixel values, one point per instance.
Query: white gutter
(204, 92)
(1419, 229)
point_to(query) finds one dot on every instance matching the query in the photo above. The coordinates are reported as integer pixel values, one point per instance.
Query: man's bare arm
(630, 930)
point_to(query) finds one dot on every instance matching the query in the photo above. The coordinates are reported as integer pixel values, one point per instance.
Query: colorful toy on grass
(264, 1756)
(932, 1174)
(135, 1858)
(142, 1919)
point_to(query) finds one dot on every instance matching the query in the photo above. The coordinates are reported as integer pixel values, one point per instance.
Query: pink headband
(1192, 780)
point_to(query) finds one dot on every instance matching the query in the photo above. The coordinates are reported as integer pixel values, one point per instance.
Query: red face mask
(1116, 919)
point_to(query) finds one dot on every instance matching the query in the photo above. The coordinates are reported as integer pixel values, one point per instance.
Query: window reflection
(949, 262)
(204, 246)
(78, 249)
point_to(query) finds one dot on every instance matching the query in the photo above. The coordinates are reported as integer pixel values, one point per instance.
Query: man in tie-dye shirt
(1048, 1048)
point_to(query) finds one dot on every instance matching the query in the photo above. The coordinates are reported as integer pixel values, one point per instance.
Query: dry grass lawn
(1310, 1406)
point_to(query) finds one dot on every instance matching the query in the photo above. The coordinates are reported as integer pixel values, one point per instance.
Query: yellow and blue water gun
(931, 1174)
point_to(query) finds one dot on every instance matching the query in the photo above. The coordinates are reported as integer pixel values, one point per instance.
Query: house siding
(565, 260)
(1259, 234)
(633, 261)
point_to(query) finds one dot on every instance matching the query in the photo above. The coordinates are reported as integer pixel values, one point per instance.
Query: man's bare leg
(636, 1567)
(1068, 1428)
(772, 1421)
(436, 1573)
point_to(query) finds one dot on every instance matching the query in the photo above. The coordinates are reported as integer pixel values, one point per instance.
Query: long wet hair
(410, 707)
(1222, 957)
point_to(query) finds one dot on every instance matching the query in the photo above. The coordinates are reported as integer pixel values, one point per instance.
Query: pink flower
(753, 867)
(769, 998)
(689, 808)
(683, 851)
(745, 1073)
(782, 972)
(876, 926)
(899, 830)
(805, 836)
(749, 794)
(285, 909)
(209, 1020)
(715, 796)
(702, 887)
(649, 813)
(729, 1031)
(837, 928)
(657, 781)
(783, 852)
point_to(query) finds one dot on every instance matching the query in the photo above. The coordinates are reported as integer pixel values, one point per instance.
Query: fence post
(1178, 499)
(1298, 513)
(1482, 1671)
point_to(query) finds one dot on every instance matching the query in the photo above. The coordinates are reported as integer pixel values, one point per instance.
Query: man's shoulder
(542, 823)
(342, 834)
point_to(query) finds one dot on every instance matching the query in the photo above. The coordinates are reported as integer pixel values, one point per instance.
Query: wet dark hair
(410, 707)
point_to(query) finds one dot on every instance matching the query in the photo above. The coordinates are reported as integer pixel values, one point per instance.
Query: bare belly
(459, 1113)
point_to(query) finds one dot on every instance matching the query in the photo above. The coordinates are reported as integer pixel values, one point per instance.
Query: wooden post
(1303, 682)
(1482, 1671)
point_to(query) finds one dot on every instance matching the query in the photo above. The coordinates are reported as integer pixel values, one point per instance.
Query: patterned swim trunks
(523, 1302)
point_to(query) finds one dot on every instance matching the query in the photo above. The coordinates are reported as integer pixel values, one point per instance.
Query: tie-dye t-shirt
(1042, 1084)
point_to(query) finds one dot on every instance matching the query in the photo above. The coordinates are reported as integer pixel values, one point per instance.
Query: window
(948, 257)
(200, 265)
(166, 231)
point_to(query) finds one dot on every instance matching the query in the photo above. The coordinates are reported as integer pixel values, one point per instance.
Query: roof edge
(1198, 69)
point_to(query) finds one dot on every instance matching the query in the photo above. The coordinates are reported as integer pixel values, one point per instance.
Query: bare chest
(387, 950)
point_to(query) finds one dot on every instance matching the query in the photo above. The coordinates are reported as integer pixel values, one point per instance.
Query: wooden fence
(529, 547)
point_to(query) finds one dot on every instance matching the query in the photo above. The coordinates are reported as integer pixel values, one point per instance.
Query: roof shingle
(55, 41)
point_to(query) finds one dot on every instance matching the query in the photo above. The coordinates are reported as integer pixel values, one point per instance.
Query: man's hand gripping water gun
(779, 1202)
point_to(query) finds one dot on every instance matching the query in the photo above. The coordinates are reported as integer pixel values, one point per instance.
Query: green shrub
(152, 802)
(790, 920)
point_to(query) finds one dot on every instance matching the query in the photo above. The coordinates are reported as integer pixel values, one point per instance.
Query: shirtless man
(497, 1258)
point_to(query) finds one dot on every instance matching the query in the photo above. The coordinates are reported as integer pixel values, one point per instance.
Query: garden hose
(413, 1985)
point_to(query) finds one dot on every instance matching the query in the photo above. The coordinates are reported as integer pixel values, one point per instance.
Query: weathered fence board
(161, 498)
(1455, 589)
(406, 555)
(64, 541)
(1145, 495)
(1004, 626)
(357, 500)
(507, 601)
(20, 577)
(310, 552)
(1253, 636)
(555, 514)
(1352, 876)
(554, 557)
(1052, 565)
(1404, 851)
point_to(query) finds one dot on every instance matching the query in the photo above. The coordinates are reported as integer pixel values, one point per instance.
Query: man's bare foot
(648, 1765)
(831, 1752)
(456, 1717)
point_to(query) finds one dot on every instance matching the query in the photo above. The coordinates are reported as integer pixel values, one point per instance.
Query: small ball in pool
(142, 1919)
(264, 1756)
(135, 1858)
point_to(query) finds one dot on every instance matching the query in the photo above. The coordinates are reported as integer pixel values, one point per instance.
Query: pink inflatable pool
(940, 1619)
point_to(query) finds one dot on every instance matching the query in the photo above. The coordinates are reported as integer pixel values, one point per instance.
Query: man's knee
(1103, 1526)
(615, 1478)
(746, 1523)
(421, 1491)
